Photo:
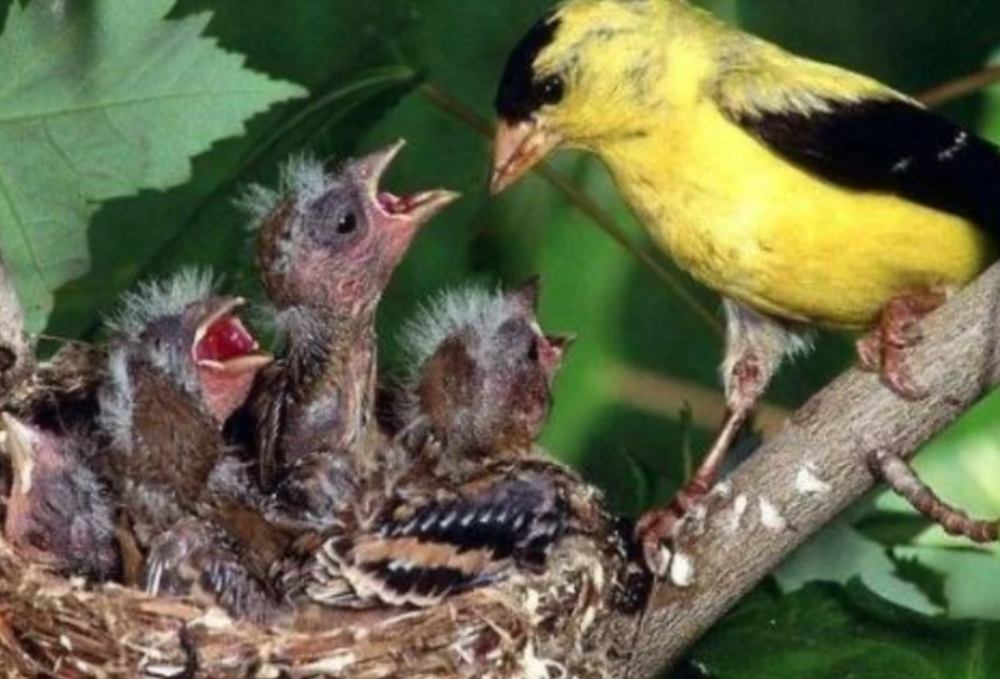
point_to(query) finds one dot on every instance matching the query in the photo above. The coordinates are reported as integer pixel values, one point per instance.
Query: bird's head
(484, 369)
(588, 72)
(36, 458)
(193, 337)
(332, 241)
(57, 514)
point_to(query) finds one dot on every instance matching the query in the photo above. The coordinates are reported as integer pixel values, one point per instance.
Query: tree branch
(815, 468)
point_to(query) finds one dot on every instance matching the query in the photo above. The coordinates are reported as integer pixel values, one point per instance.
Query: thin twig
(667, 396)
(960, 87)
(903, 479)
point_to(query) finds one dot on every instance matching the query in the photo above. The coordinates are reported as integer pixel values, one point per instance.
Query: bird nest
(541, 625)
(550, 623)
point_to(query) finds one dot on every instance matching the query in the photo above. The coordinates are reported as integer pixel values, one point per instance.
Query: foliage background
(639, 395)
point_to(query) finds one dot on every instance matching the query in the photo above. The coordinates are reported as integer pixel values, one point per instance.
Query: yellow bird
(805, 194)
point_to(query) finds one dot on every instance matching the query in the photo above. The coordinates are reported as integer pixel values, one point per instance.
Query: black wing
(890, 146)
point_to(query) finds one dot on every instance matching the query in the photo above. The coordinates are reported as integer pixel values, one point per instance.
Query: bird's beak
(20, 445)
(417, 208)
(223, 344)
(517, 148)
(552, 351)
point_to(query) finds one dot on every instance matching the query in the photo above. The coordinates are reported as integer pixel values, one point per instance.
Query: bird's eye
(552, 89)
(533, 351)
(347, 223)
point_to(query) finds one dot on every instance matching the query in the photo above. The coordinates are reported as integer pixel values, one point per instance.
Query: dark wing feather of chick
(424, 551)
(260, 421)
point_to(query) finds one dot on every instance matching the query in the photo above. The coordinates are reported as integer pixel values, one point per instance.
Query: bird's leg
(903, 479)
(884, 349)
(755, 347)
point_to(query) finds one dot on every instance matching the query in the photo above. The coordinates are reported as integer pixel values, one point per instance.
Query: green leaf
(990, 124)
(840, 554)
(829, 632)
(99, 101)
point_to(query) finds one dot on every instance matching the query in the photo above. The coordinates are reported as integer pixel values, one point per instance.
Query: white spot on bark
(770, 517)
(736, 515)
(681, 570)
(808, 483)
(723, 489)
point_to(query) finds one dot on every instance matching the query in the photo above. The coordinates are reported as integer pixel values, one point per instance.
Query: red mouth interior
(224, 340)
(396, 205)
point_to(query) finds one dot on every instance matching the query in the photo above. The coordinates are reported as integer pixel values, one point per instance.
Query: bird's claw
(883, 350)
(655, 532)
(896, 375)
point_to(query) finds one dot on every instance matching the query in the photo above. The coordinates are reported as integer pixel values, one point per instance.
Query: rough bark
(815, 468)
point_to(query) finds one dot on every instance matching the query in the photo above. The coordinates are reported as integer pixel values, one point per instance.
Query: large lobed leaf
(100, 100)
(828, 632)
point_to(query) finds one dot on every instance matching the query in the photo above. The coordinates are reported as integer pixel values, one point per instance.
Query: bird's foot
(657, 530)
(884, 349)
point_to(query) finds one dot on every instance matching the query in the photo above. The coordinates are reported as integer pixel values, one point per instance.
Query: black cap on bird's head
(483, 369)
(333, 240)
(193, 337)
(563, 81)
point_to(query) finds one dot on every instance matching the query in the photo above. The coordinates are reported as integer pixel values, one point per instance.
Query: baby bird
(806, 195)
(477, 501)
(482, 386)
(180, 363)
(59, 513)
(329, 243)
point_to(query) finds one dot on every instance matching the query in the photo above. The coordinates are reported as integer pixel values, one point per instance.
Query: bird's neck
(331, 363)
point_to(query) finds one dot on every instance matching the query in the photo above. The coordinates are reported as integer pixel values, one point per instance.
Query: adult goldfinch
(803, 193)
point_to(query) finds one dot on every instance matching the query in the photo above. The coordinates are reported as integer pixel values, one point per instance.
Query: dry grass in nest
(533, 627)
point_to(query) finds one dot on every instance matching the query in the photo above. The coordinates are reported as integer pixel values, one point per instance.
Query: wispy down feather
(475, 311)
(301, 177)
(154, 300)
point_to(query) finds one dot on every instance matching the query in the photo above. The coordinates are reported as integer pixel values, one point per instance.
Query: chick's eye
(533, 351)
(347, 223)
(552, 89)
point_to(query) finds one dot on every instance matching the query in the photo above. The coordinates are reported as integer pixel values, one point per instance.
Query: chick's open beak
(223, 344)
(20, 446)
(517, 148)
(414, 209)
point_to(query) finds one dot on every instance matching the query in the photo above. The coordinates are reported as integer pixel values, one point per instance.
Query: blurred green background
(639, 395)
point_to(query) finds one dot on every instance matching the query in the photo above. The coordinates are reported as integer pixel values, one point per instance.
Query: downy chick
(481, 386)
(329, 243)
(59, 513)
(180, 364)
(478, 501)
